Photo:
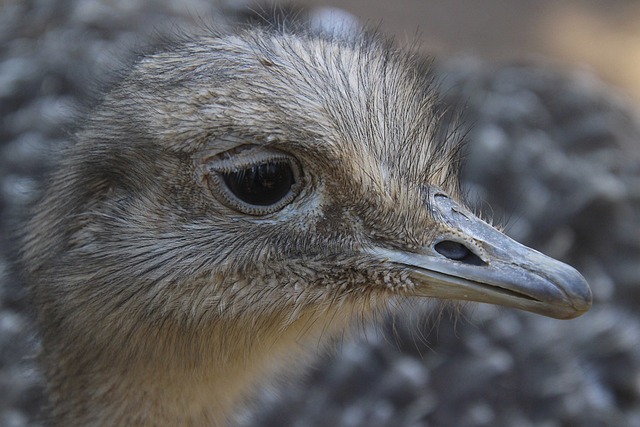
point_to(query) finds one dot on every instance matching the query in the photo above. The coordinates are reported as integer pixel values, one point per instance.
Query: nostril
(452, 250)
(457, 252)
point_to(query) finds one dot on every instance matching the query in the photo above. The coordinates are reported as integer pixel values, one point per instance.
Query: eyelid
(246, 156)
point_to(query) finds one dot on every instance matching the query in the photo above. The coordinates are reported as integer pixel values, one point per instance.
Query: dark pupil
(262, 185)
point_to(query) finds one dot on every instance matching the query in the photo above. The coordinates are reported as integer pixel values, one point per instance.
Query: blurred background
(548, 94)
(601, 35)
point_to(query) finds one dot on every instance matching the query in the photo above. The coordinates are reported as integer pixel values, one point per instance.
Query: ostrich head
(237, 197)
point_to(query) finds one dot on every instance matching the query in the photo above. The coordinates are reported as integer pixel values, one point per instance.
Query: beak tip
(582, 303)
(578, 293)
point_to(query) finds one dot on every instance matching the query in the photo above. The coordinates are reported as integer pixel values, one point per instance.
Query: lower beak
(473, 261)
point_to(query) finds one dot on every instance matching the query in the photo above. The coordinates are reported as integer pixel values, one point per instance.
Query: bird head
(255, 174)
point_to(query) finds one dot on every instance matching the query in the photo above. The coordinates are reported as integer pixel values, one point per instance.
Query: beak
(473, 261)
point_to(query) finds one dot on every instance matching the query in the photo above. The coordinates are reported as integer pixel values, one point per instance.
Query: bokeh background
(548, 92)
(601, 35)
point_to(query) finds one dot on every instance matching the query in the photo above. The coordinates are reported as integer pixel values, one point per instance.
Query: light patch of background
(601, 35)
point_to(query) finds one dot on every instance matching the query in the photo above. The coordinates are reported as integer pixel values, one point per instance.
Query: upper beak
(473, 261)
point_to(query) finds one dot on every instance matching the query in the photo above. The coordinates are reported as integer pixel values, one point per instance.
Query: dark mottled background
(554, 156)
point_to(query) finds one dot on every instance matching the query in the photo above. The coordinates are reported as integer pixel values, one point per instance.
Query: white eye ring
(254, 180)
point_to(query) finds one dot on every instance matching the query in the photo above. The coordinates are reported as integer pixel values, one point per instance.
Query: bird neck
(181, 377)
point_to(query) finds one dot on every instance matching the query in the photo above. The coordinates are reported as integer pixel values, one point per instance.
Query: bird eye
(255, 181)
(264, 184)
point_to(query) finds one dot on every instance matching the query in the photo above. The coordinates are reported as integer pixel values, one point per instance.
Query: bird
(237, 200)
